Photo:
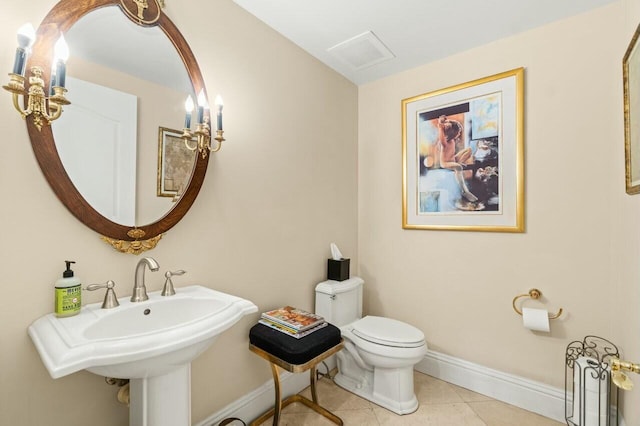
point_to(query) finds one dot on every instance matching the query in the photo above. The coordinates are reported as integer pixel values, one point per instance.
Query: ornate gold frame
(164, 133)
(509, 85)
(631, 79)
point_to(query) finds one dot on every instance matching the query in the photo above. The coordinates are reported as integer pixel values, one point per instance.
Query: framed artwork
(463, 159)
(175, 163)
(631, 78)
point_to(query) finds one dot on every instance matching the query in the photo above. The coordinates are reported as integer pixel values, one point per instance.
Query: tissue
(590, 393)
(335, 252)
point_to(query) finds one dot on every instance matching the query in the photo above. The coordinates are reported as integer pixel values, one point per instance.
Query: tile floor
(441, 404)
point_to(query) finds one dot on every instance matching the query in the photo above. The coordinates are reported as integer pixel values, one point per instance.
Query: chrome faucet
(139, 289)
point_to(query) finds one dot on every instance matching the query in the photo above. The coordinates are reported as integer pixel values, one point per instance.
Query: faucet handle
(168, 289)
(110, 299)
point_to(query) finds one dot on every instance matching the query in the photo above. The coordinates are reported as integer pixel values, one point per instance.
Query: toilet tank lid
(335, 287)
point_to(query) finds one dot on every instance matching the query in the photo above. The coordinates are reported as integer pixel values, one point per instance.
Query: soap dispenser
(68, 293)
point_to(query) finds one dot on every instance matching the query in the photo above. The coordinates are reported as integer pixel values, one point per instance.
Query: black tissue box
(338, 270)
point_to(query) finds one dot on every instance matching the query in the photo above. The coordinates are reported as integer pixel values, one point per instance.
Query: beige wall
(581, 241)
(280, 191)
(284, 186)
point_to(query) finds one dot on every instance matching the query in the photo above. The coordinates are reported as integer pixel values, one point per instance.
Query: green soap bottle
(68, 293)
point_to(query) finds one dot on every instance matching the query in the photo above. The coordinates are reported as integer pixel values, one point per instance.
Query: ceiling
(107, 37)
(415, 32)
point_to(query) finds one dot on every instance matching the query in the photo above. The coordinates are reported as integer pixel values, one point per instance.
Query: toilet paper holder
(535, 294)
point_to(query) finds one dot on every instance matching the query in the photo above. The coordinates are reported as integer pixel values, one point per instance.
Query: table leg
(278, 407)
(313, 380)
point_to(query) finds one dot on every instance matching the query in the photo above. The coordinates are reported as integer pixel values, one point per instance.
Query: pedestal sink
(152, 343)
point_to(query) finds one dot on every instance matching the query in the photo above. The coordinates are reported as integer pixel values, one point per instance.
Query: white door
(96, 140)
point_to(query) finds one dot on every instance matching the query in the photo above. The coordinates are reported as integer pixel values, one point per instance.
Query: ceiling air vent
(362, 51)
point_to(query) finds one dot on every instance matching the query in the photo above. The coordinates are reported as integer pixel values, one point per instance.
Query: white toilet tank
(340, 302)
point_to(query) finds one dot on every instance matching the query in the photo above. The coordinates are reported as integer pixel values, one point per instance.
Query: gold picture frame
(631, 79)
(175, 163)
(463, 156)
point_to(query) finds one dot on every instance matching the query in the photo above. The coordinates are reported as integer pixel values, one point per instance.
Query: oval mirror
(112, 158)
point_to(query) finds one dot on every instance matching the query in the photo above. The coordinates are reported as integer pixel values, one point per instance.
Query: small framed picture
(463, 163)
(175, 163)
(631, 80)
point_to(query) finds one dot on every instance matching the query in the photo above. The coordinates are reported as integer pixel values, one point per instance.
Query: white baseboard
(533, 396)
(256, 402)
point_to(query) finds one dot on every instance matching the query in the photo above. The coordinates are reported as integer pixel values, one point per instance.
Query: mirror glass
(127, 86)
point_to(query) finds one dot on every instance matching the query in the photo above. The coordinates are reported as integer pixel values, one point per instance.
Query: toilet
(379, 353)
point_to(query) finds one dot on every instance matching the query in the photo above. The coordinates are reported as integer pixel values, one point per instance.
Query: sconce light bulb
(61, 50)
(219, 113)
(202, 99)
(26, 35)
(188, 104)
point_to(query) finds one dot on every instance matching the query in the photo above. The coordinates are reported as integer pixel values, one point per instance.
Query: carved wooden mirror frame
(65, 14)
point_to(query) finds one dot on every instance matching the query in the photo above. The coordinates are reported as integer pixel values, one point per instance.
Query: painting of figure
(459, 157)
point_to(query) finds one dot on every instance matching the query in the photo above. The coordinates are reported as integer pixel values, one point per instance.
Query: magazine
(288, 331)
(291, 317)
(277, 324)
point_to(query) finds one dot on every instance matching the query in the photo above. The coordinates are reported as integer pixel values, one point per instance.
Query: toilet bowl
(380, 353)
(378, 360)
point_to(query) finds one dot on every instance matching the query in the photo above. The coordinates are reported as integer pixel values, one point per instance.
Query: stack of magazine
(293, 322)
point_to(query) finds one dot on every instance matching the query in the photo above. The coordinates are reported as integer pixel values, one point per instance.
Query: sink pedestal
(161, 400)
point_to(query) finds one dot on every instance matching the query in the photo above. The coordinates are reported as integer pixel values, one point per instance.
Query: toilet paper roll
(535, 319)
(590, 389)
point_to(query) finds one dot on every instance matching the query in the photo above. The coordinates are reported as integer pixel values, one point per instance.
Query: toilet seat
(387, 332)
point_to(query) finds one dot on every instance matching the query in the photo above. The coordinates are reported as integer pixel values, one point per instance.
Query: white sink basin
(137, 340)
(152, 343)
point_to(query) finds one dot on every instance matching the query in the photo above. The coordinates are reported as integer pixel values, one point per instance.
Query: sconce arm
(36, 98)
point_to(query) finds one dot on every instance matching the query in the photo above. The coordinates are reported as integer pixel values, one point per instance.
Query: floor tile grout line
(477, 415)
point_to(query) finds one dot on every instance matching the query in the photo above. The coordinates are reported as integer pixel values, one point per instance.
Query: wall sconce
(202, 133)
(43, 109)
